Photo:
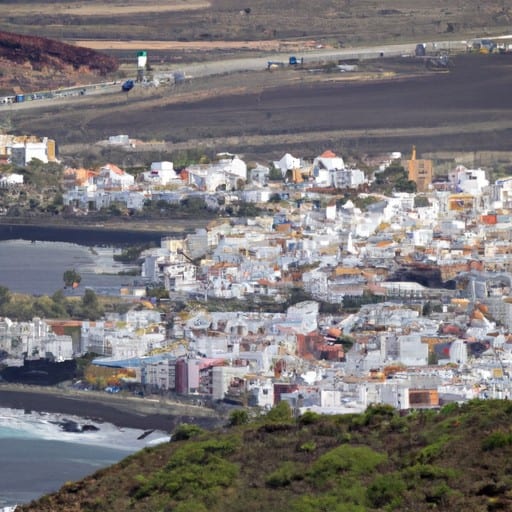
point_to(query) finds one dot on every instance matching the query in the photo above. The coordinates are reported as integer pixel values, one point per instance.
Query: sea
(37, 267)
(37, 456)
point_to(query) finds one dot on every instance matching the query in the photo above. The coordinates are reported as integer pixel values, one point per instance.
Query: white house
(111, 176)
(287, 163)
(179, 276)
(225, 173)
(21, 153)
(256, 195)
(161, 173)
(349, 178)
(501, 193)
(232, 164)
(325, 168)
(11, 180)
(305, 315)
(412, 352)
(469, 181)
(260, 174)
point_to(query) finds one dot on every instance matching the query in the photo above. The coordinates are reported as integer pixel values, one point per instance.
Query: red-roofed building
(78, 177)
(111, 176)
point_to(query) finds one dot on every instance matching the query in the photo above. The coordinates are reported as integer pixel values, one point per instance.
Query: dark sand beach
(122, 411)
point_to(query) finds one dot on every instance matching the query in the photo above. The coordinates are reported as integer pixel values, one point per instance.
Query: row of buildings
(409, 294)
(88, 189)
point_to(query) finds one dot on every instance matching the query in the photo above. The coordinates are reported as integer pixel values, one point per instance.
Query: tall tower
(420, 171)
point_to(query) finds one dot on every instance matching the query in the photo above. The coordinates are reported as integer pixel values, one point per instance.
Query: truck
(482, 45)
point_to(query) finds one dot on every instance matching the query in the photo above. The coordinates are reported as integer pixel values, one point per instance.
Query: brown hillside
(29, 63)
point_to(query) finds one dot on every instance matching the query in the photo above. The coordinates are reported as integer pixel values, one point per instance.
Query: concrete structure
(23, 150)
(161, 174)
(468, 181)
(419, 171)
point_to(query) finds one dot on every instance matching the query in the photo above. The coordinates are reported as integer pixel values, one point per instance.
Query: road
(313, 56)
(220, 67)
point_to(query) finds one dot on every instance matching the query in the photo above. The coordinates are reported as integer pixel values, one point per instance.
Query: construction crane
(188, 258)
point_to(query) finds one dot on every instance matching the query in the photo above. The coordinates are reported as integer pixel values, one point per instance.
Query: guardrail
(77, 90)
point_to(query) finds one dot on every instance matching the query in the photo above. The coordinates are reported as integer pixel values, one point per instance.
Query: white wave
(34, 425)
(159, 440)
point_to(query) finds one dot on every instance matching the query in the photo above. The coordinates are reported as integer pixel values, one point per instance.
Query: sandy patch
(177, 45)
(108, 8)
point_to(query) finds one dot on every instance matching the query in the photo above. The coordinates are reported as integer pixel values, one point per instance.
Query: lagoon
(37, 267)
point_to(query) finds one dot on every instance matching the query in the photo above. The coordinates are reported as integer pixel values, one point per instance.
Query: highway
(220, 67)
(312, 56)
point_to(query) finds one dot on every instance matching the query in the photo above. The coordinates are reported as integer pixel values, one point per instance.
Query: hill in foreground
(454, 459)
(29, 63)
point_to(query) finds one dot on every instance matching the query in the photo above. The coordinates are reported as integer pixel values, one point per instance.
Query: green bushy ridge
(457, 458)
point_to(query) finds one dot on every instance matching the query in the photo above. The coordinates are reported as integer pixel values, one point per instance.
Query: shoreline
(82, 235)
(122, 411)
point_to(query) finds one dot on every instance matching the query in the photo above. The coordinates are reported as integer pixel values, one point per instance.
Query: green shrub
(378, 412)
(284, 475)
(280, 412)
(197, 470)
(434, 450)
(450, 408)
(347, 459)
(386, 490)
(186, 431)
(438, 493)
(308, 447)
(238, 417)
(497, 440)
(190, 506)
(329, 503)
(309, 417)
(427, 472)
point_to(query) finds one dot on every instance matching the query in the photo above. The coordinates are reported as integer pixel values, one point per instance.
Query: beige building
(420, 171)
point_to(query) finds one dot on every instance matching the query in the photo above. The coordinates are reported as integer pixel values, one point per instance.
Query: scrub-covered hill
(458, 458)
(29, 63)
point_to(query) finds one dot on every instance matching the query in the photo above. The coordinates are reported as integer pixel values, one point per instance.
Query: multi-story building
(420, 171)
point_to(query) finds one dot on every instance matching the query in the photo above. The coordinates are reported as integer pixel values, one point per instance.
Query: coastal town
(326, 283)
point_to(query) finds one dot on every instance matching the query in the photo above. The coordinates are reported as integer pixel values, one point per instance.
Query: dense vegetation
(393, 179)
(24, 308)
(457, 458)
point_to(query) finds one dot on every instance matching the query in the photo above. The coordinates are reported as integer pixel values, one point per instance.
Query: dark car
(128, 85)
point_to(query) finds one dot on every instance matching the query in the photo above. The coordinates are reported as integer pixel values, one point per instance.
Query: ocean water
(37, 268)
(38, 457)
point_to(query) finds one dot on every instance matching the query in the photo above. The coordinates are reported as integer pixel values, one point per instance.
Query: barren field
(389, 105)
(95, 8)
(109, 44)
(333, 22)
(264, 114)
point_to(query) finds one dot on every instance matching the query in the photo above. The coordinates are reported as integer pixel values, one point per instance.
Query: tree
(238, 417)
(70, 277)
(346, 341)
(421, 201)
(5, 295)
(280, 412)
(275, 174)
(91, 308)
(194, 204)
